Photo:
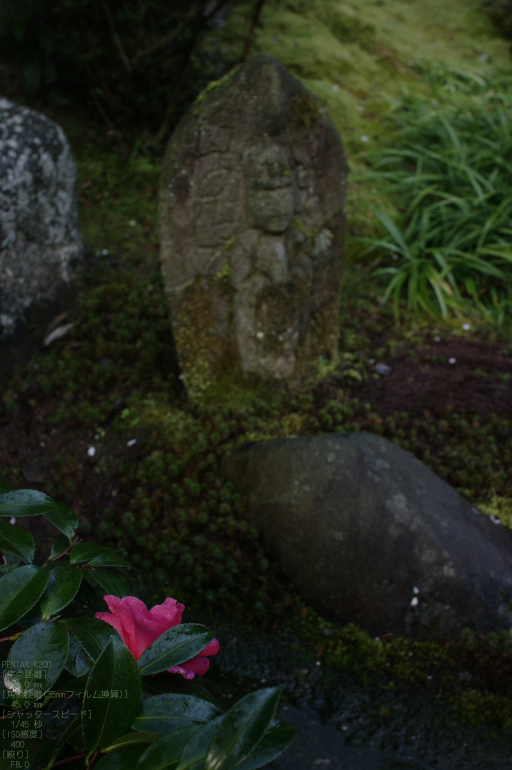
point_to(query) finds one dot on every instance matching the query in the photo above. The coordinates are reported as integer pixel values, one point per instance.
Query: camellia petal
(116, 623)
(169, 613)
(212, 648)
(139, 628)
(182, 670)
(198, 665)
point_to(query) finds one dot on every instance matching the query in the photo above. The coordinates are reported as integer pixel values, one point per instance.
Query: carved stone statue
(252, 220)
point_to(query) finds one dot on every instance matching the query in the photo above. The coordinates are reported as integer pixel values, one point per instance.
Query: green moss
(500, 507)
(193, 340)
(223, 81)
(305, 110)
(228, 246)
(224, 274)
(310, 234)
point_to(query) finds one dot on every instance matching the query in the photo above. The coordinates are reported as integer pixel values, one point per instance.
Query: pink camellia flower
(139, 628)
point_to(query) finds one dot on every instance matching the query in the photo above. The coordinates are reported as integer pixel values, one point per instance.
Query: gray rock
(40, 246)
(252, 224)
(368, 534)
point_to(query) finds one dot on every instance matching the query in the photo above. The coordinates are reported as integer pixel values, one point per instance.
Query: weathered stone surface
(40, 246)
(252, 225)
(369, 534)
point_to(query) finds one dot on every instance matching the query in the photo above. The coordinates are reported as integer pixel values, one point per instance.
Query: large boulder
(40, 246)
(369, 534)
(252, 229)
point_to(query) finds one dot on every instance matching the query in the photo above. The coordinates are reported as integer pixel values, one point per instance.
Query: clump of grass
(448, 164)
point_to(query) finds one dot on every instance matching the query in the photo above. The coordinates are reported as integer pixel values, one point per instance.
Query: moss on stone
(228, 246)
(193, 339)
(305, 110)
(224, 274)
(310, 234)
(224, 80)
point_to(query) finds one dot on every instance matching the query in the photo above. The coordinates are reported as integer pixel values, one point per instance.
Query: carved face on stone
(270, 189)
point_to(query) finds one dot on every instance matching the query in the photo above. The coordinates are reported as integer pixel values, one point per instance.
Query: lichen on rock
(40, 246)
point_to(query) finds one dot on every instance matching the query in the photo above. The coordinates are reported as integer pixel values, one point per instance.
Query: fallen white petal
(57, 333)
(91, 451)
(132, 441)
(415, 602)
(452, 360)
(12, 520)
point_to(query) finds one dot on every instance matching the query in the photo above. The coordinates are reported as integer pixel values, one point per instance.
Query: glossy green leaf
(72, 728)
(158, 684)
(169, 711)
(16, 541)
(63, 518)
(105, 715)
(59, 545)
(115, 585)
(93, 634)
(165, 753)
(11, 562)
(38, 751)
(276, 740)
(90, 595)
(132, 738)
(31, 502)
(175, 646)
(74, 649)
(242, 729)
(84, 552)
(109, 560)
(125, 758)
(4, 486)
(37, 656)
(82, 663)
(32, 617)
(63, 584)
(19, 591)
(194, 753)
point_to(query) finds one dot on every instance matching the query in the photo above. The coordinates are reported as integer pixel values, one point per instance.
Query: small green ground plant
(448, 164)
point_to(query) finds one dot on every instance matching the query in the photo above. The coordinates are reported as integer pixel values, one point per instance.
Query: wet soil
(473, 377)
